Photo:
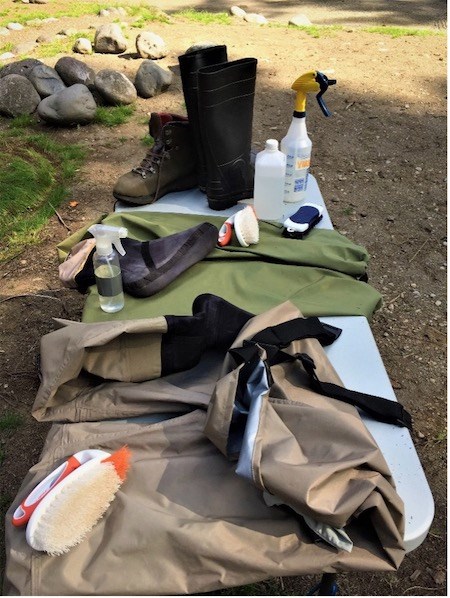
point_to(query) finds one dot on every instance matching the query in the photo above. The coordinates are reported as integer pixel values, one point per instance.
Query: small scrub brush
(245, 226)
(67, 513)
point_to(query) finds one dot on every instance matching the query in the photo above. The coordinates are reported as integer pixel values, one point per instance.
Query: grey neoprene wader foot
(169, 165)
(219, 98)
(149, 266)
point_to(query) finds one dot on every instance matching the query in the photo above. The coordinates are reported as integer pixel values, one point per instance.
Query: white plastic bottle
(270, 168)
(107, 270)
(297, 148)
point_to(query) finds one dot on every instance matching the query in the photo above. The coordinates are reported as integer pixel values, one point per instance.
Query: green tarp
(319, 274)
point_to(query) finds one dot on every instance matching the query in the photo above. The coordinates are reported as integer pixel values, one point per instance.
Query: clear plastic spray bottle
(107, 266)
(296, 144)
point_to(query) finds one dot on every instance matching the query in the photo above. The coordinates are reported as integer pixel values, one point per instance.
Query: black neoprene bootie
(215, 323)
(225, 101)
(190, 64)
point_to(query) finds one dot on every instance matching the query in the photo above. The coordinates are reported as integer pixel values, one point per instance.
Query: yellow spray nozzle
(305, 84)
(311, 82)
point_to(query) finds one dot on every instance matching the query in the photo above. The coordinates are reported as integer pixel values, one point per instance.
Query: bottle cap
(271, 144)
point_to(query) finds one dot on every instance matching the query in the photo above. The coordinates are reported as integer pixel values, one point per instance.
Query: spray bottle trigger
(122, 232)
(118, 245)
(324, 83)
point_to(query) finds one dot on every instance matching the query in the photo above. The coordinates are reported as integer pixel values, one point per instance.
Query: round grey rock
(46, 80)
(151, 79)
(299, 20)
(4, 31)
(17, 96)
(24, 48)
(237, 11)
(115, 88)
(20, 67)
(14, 26)
(82, 45)
(201, 46)
(74, 105)
(74, 71)
(252, 17)
(44, 38)
(150, 45)
(109, 39)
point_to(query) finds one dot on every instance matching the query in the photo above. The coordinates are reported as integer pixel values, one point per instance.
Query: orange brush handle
(23, 513)
(225, 233)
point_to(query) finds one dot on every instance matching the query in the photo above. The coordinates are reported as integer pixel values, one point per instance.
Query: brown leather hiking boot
(169, 165)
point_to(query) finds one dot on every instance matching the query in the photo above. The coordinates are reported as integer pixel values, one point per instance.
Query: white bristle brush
(70, 510)
(246, 226)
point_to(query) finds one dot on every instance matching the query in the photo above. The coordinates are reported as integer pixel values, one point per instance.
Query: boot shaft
(190, 64)
(225, 99)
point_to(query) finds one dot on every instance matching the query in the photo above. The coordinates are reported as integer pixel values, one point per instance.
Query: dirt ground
(381, 165)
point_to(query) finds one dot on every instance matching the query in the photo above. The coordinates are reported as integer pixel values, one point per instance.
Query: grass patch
(11, 421)
(204, 17)
(16, 17)
(147, 140)
(402, 31)
(112, 116)
(33, 181)
(146, 14)
(6, 48)
(317, 31)
(442, 436)
(59, 46)
(22, 121)
(22, 14)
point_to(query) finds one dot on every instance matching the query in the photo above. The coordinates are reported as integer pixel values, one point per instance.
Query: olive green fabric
(317, 274)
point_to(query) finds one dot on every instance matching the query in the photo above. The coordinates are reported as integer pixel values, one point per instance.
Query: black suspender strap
(378, 408)
(275, 338)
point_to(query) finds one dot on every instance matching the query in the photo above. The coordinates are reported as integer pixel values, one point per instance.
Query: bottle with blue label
(296, 145)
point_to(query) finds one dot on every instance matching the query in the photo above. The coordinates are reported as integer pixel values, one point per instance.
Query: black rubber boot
(225, 101)
(189, 66)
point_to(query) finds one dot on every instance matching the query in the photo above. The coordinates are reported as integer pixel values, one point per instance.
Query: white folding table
(356, 359)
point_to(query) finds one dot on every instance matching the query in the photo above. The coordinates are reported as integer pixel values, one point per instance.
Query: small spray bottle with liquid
(107, 270)
(296, 144)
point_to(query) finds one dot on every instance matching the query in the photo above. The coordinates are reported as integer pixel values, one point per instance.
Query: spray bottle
(297, 145)
(107, 266)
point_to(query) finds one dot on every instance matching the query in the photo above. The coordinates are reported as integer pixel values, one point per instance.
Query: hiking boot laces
(152, 160)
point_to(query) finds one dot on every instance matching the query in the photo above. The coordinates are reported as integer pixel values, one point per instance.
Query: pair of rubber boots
(211, 148)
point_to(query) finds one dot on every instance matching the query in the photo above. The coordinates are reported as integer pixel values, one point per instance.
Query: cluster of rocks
(69, 94)
(259, 19)
(109, 39)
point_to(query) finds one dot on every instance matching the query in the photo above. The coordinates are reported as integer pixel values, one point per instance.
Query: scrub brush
(245, 226)
(70, 510)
